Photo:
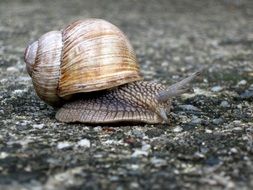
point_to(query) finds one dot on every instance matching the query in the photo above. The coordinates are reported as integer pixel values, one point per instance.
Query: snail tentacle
(177, 88)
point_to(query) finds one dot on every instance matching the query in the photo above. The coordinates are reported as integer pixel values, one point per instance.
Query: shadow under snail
(89, 70)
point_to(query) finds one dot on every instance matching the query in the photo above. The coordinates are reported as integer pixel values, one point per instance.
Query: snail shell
(88, 55)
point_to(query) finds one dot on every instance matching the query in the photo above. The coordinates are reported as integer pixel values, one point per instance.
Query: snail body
(89, 70)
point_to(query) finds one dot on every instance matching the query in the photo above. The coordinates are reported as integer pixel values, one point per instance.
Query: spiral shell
(88, 55)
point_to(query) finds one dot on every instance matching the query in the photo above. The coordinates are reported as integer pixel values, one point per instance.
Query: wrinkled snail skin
(133, 102)
(89, 70)
(140, 101)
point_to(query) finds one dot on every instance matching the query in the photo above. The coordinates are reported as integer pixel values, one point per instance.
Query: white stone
(97, 129)
(225, 104)
(84, 143)
(12, 69)
(234, 150)
(176, 59)
(242, 82)
(208, 131)
(3, 155)
(239, 106)
(38, 126)
(177, 129)
(18, 92)
(135, 167)
(138, 153)
(63, 144)
(199, 155)
(216, 88)
(111, 142)
(134, 185)
(158, 162)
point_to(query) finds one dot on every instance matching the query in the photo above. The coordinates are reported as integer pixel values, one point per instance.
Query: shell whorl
(99, 55)
(88, 55)
(45, 69)
(30, 55)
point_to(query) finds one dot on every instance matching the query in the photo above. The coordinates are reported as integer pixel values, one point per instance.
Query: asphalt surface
(209, 143)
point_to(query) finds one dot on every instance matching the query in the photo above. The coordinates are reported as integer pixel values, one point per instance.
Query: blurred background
(168, 35)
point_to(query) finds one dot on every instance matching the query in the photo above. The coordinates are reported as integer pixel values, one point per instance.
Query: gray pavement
(209, 143)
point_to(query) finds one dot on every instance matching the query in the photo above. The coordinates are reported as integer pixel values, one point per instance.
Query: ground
(207, 145)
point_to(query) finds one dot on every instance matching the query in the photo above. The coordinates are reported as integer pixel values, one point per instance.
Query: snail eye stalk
(177, 88)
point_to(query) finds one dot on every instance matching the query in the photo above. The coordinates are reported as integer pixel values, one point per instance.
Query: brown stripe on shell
(46, 67)
(96, 55)
(30, 56)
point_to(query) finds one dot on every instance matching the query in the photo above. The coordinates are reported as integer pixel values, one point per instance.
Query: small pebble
(12, 69)
(237, 129)
(237, 123)
(164, 63)
(233, 150)
(216, 88)
(158, 162)
(183, 118)
(224, 104)
(3, 81)
(239, 106)
(38, 126)
(189, 60)
(111, 142)
(247, 94)
(177, 129)
(189, 107)
(84, 143)
(64, 144)
(134, 166)
(17, 92)
(97, 129)
(137, 133)
(217, 121)
(242, 82)
(114, 178)
(24, 79)
(196, 120)
(199, 155)
(134, 185)
(3, 155)
(176, 59)
(154, 132)
(138, 153)
(208, 131)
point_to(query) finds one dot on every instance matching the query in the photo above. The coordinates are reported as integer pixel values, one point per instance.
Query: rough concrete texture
(209, 143)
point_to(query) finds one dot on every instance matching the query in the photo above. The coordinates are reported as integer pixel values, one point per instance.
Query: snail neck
(158, 97)
(143, 94)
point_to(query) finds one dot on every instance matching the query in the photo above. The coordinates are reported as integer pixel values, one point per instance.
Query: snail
(90, 71)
